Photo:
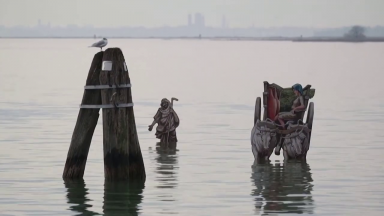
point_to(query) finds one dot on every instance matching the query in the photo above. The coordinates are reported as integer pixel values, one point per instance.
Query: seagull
(100, 44)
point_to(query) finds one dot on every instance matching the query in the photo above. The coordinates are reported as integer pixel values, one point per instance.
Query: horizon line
(185, 25)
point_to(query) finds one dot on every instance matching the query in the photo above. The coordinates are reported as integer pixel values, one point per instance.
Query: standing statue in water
(167, 122)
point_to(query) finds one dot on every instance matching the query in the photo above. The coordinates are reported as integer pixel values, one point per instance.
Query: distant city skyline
(154, 13)
(196, 19)
(188, 23)
(193, 27)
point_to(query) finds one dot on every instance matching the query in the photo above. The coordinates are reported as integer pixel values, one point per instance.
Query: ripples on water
(120, 198)
(210, 172)
(283, 188)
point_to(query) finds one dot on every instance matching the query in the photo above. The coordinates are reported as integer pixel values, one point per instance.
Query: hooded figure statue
(167, 121)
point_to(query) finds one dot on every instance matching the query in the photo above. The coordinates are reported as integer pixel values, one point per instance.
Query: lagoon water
(211, 173)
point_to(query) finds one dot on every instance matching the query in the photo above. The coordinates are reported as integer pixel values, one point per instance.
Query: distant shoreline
(339, 39)
(292, 39)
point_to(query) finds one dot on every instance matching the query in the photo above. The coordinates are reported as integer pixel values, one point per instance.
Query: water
(211, 173)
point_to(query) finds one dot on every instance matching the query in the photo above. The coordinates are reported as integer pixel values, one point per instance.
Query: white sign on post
(107, 66)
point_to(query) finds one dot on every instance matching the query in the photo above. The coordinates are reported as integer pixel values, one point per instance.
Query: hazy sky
(149, 13)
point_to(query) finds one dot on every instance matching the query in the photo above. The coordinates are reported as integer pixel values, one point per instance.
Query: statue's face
(164, 105)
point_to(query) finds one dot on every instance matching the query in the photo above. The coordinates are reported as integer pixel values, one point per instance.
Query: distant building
(199, 20)
(223, 22)
(189, 20)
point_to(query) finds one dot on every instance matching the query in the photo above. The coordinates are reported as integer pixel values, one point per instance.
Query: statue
(297, 105)
(296, 144)
(263, 140)
(167, 122)
(282, 124)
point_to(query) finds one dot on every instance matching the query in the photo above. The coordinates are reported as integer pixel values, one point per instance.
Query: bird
(100, 44)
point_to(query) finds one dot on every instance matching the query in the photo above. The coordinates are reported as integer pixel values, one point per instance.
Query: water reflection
(122, 198)
(283, 188)
(77, 197)
(167, 165)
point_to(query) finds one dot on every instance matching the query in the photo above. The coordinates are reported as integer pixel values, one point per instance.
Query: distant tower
(223, 22)
(199, 20)
(189, 19)
(39, 22)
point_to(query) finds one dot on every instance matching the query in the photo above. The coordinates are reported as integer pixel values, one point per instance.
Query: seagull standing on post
(100, 44)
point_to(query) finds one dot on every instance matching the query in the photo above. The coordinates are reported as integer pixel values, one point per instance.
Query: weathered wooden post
(107, 87)
(85, 125)
(122, 153)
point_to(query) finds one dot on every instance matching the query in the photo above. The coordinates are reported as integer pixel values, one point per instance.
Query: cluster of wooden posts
(108, 86)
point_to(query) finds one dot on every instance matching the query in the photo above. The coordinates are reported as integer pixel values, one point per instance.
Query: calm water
(211, 173)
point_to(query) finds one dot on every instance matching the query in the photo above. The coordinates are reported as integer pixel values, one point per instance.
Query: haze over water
(211, 173)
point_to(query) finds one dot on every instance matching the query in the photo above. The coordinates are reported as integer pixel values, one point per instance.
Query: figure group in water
(283, 126)
(167, 119)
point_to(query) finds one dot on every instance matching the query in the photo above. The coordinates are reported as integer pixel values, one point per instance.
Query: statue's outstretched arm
(155, 120)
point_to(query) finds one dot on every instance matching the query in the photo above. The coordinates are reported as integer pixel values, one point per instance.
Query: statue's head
(297, 89)
(164, 103)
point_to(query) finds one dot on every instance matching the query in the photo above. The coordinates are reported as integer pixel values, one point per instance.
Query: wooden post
(122, 153)
(85, 125)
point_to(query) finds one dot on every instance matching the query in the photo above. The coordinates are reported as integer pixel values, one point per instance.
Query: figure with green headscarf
(167, 121)
(298, 105)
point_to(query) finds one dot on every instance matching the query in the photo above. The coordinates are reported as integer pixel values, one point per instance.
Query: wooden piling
(85, 125)
(122, 153)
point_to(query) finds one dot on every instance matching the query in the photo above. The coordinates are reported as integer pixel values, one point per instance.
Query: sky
(156, 13)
